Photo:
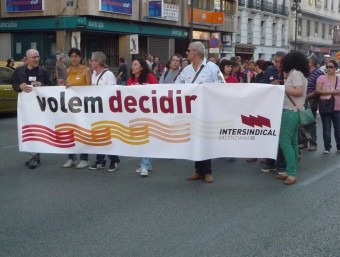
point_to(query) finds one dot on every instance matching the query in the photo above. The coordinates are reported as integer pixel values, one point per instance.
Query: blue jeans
(100, 158)
(83, 157)
(145, 163)
(327, 120)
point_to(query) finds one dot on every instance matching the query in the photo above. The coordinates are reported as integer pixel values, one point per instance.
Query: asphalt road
(51, 211)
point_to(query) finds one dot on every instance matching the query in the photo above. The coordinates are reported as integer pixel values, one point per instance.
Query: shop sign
(325, 50)
(164, 11)
(206, 17)
(116, 6)
(24, 6)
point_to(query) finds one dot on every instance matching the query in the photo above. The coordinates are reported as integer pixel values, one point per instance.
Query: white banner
(184, 121)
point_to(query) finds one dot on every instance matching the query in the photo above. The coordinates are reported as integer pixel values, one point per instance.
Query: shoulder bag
(306, 115)
(326, 106)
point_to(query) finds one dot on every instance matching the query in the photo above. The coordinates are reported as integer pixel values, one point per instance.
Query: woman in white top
(295, 67)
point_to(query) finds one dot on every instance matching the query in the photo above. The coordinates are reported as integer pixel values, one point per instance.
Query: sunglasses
(330, 67)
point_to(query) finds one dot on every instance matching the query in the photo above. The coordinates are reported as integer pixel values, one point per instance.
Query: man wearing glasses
(24, 79)
(200, 71)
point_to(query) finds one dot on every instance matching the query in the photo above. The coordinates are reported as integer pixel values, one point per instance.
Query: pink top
(329, 85)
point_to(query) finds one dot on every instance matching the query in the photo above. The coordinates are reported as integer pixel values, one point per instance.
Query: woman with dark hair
(328, 85)
(296, 70)
(141, 75)
(155, 70)
(77, 75)
(258, 67)
(227, 71)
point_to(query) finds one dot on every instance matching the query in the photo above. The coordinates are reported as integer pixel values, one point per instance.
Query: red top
(231, 79)
(150, 79)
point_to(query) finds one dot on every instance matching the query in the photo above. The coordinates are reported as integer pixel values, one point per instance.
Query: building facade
(262, 28)
(316, 25)
(119, 28)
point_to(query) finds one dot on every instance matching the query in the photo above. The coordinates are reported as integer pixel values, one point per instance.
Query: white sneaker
(144, 172)
(139, 170)
(69, 163)
(82, 164)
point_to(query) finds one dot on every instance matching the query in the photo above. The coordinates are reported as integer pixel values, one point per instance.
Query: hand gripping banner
(184, 121)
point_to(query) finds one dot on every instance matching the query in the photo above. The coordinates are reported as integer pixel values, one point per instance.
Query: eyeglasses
(330, 67)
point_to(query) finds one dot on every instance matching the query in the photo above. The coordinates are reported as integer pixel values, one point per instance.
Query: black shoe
(113, 166)
(97, 165)
(32, 163)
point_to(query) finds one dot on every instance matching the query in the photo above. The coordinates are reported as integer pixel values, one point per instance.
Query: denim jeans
(289, 140)
(83, 157)
(327, 120)
(145, 163)
(100, 158)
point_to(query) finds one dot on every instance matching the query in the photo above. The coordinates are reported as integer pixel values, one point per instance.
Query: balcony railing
(266, 6)
(242, 3)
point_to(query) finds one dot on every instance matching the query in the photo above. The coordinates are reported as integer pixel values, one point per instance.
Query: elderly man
(274, 75)
(327, 58)
(200, 71)
(171, 74)
(102, 76)
(24, 79)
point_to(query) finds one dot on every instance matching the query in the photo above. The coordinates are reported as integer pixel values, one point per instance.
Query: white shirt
(209, 73)
(107, 79)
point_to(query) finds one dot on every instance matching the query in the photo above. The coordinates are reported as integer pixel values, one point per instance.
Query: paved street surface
(52, 211)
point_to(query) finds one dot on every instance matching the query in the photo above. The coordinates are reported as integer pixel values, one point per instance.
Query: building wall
(5, 46)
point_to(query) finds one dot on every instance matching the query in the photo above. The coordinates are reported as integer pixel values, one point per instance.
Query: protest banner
(184, 121)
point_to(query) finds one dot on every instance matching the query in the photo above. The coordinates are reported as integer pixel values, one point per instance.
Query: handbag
(326, 106)
(306, 115)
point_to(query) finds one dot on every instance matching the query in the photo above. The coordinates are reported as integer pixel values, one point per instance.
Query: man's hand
(25, 88)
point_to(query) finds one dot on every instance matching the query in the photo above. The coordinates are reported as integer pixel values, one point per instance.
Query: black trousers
(203, 167)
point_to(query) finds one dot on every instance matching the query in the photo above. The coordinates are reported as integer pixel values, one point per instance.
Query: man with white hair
(200, 71)
(25, 78)
(102, 76)
(327, 58)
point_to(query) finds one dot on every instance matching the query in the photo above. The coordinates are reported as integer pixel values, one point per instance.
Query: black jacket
(20, 77)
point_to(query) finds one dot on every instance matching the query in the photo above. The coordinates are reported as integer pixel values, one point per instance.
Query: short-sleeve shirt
(329, 85)
(231, 79)
(209, 73)
(295, 79)
(168, 77)
(107, 79)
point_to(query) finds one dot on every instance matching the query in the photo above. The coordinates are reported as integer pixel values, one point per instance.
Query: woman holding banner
(77, 75)
(296, 70)
(141, 75)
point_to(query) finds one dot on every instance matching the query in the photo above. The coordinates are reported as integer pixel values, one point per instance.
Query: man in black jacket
(24, 79)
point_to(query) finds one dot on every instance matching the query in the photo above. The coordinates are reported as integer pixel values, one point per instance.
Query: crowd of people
(304, 82)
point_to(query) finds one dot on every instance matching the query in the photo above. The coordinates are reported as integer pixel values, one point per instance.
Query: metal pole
(296, 25)
(191, 20)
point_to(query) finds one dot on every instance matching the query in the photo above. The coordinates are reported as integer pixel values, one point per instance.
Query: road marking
(9, 146)
(315, 178)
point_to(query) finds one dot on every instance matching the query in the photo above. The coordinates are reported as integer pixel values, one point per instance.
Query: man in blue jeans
(102, 76)
(274, 75)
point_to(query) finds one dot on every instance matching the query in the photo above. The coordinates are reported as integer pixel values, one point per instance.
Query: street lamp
(298, 12)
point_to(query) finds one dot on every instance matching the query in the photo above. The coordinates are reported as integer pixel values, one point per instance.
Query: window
(316, 28)
(332, 4)
(308, 29)
(299, 26)
(323, 31)
(202, 4)
(325, 4)
(330, 31)
(228, 7)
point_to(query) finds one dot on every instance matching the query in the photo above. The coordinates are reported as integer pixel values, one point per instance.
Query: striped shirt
(313, 76)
